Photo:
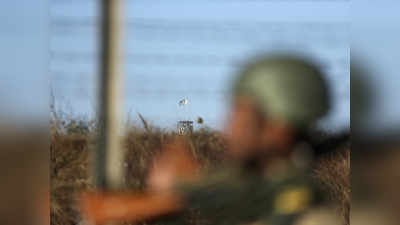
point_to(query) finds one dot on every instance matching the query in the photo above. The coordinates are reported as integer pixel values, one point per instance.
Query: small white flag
(183, 102)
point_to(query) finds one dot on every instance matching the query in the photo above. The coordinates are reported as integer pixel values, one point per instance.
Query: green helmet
(285, 87)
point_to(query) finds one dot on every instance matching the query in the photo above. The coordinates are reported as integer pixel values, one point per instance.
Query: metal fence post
(108, 156)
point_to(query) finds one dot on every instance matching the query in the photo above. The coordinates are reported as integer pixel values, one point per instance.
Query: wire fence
(171, 58)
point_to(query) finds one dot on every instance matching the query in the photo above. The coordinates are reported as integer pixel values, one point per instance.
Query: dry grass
(69, 162)
(69, 151)
(333, 172)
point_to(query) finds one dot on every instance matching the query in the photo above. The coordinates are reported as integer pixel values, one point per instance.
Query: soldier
(276, 100)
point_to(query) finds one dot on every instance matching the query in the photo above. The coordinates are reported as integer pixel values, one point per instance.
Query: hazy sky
(25, 25)
(23, 58)
(25, 41)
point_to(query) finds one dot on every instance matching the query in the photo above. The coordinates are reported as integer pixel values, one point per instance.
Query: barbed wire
(220, 33)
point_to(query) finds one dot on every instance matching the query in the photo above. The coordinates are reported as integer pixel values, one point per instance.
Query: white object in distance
(183, 102)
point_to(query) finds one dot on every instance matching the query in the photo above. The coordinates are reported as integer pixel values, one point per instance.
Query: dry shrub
(69, 153)
(68, 175)
(206, 146)
(333, 172)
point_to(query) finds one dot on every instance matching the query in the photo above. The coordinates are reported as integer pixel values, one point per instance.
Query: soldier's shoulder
(295, 193)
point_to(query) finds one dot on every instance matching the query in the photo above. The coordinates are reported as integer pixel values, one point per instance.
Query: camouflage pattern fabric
(233, 196)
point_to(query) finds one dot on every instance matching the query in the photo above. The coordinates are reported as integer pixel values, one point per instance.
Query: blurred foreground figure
(276, 100)
(24, 169)
(375, 159)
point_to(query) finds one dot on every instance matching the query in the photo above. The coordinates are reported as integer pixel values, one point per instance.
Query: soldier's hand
(175, 163)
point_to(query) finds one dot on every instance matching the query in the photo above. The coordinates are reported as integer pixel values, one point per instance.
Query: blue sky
(27, 70)
(23, 57)
(151, 88)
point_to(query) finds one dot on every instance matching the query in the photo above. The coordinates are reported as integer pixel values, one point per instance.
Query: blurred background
(175, 50)
(24, 61)
(374, 112)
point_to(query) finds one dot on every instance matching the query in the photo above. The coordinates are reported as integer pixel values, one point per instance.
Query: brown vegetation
(69, 151)
(333, 172)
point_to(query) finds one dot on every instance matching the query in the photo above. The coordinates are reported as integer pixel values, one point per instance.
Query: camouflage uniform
(234, 195)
